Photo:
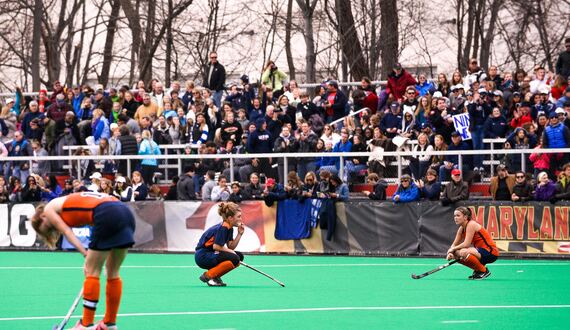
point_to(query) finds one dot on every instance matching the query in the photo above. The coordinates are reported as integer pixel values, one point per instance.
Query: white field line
(295, 265)
(300, 310)
(459, 321)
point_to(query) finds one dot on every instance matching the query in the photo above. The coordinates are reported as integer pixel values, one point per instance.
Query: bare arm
(233, 244)
(469, 233)
(51, 212)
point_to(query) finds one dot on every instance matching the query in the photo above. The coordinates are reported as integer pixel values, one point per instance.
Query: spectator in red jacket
(398, 81)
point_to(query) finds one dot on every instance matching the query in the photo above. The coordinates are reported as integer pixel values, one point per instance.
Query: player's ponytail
(465, 211)
(228, 209)
(48, 235)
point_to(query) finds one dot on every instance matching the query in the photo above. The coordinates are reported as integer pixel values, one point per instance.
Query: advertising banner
(362, 227)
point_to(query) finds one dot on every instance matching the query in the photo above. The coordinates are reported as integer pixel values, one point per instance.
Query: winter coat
(545, 192)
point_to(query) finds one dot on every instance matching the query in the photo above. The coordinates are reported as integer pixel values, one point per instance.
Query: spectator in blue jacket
(424, 86)
(335, 102)
(392, 121)
(407, 191)
(452, 161)
(496, 125)
(273, 192)
(344, 145)
(430, 188)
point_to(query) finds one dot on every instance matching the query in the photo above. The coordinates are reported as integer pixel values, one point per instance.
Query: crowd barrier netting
(362, 227)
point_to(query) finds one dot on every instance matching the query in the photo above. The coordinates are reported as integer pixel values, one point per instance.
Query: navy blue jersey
(219, 234)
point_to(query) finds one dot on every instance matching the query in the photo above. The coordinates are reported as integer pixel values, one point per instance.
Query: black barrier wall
(362, 228)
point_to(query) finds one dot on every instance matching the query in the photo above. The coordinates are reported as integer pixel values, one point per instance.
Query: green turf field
(162, 291)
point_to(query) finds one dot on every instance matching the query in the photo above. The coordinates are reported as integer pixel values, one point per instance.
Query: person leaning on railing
(455, 190)
(563, 184)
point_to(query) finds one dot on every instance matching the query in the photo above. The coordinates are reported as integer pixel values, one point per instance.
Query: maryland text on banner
(358, 227)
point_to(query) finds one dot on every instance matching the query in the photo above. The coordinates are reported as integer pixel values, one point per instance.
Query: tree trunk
(490, 35)
(133, 18)
(374, 50)
(109, 42)
(308, 9)
(389, 43)
(479, 27)
(350, 43)
(540, 22)
(36, 41)
(169, 41)
(288, 50)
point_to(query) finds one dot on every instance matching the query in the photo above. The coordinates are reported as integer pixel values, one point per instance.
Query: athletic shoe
(79, 326)
(209, 281)
(471, 276)
(219, 280)
(102, 326)
(482, 275)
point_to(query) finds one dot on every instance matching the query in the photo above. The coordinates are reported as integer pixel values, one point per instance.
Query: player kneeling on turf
(473, 246)
(212, 253)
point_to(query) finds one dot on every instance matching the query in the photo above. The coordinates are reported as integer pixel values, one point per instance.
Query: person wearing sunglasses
(407, 191)
(522, 190)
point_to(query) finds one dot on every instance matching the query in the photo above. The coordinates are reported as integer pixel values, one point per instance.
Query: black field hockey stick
(262, 273)
(62, 324)
(417, 277)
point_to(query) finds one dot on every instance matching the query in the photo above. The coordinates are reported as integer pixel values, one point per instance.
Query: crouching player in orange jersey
(212, 253)
(473, 246)
(113, 229)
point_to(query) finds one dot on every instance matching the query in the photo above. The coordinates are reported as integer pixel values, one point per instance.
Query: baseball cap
(501, 167)
(455, 171)
(113, 126)
(498, 93)
(437, 94)
(270, 182)
(244, 78)
(96, 175)
(394, 105)
(398, 66)
(553, 115)
(460, 86)
(121, 179)
(9, 100)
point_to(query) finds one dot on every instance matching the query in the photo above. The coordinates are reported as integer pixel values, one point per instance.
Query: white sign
(461, 123)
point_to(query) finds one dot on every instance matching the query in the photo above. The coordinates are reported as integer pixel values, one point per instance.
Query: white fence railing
(398, 155)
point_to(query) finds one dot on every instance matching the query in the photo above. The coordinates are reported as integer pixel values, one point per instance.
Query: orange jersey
(482, 239)
(77, 210)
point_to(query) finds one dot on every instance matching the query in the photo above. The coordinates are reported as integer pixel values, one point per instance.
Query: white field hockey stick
(62, 324)
(262, 273)
(416, 277)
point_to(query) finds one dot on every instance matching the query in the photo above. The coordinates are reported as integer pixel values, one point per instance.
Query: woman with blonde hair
(148, 147)
(216, 248)
(113, 233)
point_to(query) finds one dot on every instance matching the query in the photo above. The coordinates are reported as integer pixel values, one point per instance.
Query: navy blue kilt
(113, 227)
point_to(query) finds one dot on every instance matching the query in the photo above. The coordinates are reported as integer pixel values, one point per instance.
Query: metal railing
(399, 155)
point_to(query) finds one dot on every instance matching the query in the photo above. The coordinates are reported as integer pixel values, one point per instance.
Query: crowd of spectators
(527, 109)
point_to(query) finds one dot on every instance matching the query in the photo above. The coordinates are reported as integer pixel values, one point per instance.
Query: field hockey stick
(62, 324)
(416, 277)
(262, 273)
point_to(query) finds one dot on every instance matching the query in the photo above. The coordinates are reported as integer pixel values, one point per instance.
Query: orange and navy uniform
(78, 209)
(482, 240)
(219, 234)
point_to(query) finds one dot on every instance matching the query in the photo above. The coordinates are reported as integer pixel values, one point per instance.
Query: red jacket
(397, 84)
